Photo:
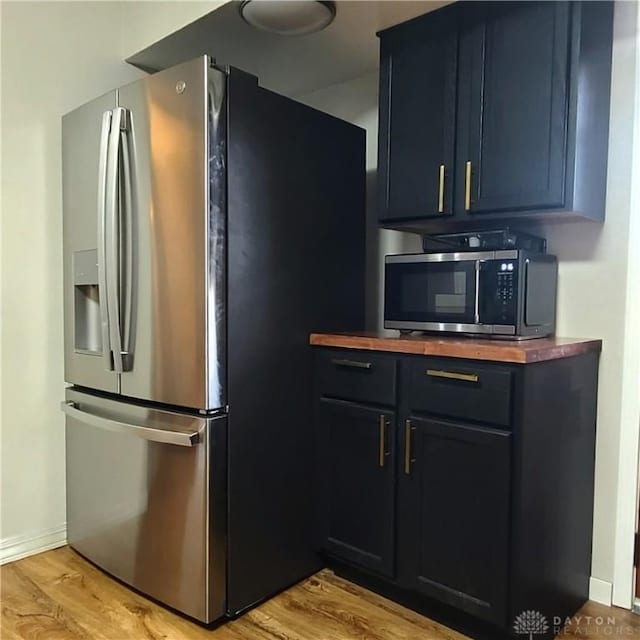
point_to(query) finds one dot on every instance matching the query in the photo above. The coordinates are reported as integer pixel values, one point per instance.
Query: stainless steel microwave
(506, 293)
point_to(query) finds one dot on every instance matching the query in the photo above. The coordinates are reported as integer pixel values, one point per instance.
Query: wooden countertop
(520, 352)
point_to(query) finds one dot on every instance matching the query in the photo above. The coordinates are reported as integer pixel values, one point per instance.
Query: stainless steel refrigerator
(209, 226)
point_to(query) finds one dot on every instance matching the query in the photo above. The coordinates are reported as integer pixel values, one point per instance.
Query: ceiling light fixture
(288, 17)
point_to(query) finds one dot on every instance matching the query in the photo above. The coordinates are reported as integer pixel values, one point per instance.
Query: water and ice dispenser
(88, 336)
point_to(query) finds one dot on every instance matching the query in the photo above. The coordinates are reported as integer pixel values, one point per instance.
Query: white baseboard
(600, 591)
(17, 547)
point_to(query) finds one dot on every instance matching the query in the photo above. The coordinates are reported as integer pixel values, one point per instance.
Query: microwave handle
(477, 316)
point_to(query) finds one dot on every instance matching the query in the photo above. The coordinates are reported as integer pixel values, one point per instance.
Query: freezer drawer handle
(154, 435)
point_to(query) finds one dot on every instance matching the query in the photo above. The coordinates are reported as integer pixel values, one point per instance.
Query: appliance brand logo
(531, 623)
(181, 85)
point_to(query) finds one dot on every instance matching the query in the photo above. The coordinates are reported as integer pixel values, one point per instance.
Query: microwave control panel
(499, 285)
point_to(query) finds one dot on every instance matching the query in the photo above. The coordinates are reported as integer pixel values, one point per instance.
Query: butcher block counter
(513, 351)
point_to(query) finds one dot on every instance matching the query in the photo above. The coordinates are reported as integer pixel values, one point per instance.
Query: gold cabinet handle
(407, 446)
(383, 438)
(452, 375)
(353, 364)
(467, 186)
(441, 190)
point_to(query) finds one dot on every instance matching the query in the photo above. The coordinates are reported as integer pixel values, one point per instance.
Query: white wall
(593, 259)
(55, 56)
(147, 22)
(592, 291)
(1, 288)
(627, 494)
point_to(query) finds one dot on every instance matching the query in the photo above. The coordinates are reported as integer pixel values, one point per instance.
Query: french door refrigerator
(209, 226)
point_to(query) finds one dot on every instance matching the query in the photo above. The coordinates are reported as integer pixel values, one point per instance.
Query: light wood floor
(59, 596)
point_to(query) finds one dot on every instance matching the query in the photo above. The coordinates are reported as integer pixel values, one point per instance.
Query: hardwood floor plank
(107, 609)
(376, 610)
(58, 595)
(390, 608)
(71, 589)
(27, 611)
(596, 620)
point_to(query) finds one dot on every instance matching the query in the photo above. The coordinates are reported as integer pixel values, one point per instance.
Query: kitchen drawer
(357, 375)
(461, 390)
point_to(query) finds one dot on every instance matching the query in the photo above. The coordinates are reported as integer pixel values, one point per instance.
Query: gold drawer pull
(441, 189)
(354, 364)
(467, 186)
(407, 447)
(383, 438)
(452, 375)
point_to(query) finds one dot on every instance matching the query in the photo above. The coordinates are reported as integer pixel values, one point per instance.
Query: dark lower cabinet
(454, 492)
(465, 487)
(357, 483)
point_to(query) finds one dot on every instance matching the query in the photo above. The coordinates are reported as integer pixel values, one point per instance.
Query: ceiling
(346, 49)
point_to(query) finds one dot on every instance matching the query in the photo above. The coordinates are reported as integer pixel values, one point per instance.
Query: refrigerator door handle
(102, 238)
(182, 439)
(127, 217)
(113, 236)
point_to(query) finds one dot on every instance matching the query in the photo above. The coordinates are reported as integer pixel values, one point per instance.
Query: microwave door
(429, 294)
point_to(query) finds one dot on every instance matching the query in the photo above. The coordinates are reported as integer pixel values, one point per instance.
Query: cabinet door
(453, 511)
(417, 119)
(512, 119)
(356, 480)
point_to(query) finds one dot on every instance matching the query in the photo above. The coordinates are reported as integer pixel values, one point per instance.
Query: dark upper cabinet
(454, 515)
(512, 113)
(355, 447)
(417, 120)
(530, 84)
